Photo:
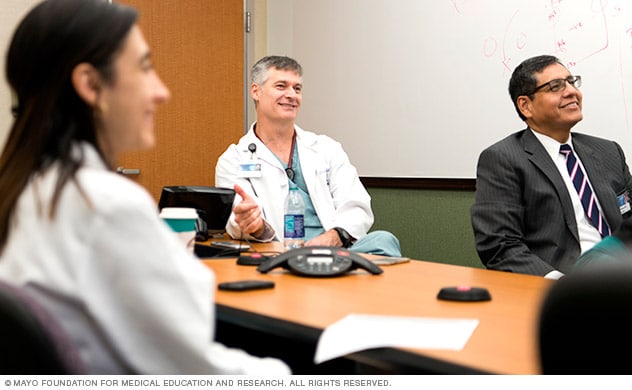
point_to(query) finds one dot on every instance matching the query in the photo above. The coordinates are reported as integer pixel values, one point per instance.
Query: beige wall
(11, 13)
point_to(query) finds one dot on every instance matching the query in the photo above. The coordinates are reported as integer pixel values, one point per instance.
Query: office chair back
(584, 323)
(31, 340)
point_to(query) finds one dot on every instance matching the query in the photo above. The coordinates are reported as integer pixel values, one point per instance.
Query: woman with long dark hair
(85, 241)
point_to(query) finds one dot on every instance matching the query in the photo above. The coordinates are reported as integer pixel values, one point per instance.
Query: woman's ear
(85, 79)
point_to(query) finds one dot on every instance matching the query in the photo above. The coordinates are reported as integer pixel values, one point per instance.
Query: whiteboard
(418, 88)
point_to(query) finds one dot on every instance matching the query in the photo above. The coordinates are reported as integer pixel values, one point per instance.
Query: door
(198, 50)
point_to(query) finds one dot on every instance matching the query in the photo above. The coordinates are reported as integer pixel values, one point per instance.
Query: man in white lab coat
(276, 153)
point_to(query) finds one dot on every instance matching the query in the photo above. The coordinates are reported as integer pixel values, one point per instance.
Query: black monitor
(213, 204)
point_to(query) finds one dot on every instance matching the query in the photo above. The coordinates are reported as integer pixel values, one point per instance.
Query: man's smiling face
(280, 96)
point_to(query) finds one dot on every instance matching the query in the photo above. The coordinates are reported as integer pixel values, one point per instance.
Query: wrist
(264, 233)
(346, 238)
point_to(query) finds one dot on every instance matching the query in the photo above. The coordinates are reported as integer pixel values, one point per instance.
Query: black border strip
(419, 183)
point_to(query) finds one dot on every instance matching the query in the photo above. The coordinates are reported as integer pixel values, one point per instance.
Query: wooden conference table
(299, 308)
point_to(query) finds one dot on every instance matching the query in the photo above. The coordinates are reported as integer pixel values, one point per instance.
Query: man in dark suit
(528, 216)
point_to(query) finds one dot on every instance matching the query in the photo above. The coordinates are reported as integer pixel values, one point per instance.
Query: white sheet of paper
(357, 332)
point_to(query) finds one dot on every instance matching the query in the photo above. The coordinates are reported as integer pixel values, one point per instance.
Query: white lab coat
(333, 184)
(123, 286)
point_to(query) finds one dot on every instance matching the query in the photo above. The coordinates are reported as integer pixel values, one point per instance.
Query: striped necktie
(586, 195)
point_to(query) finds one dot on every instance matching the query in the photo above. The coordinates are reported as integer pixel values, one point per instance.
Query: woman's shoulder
(106, 187)
(101, 184)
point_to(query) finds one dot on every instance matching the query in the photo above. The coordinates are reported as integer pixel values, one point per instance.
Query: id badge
(250, 168)
(623, 200)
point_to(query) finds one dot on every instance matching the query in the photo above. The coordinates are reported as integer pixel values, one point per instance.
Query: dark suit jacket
(523, 217)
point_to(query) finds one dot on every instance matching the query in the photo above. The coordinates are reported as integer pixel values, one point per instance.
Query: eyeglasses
(558, 85)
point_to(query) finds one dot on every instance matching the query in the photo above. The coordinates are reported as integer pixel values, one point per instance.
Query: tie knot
(565, 148)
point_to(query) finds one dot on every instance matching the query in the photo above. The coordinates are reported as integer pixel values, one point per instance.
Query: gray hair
(259, 71)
